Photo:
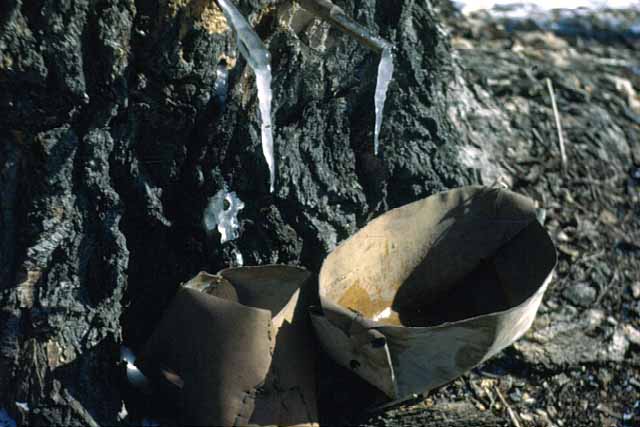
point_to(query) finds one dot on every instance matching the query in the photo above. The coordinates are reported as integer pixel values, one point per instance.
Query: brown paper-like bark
(244, 362)
(448, 281)
(288, 395)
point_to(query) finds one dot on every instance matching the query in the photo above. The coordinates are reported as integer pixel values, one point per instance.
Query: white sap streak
(225, 219)
(468, 6)
(258, 58)
(385, 73)
(123, 412)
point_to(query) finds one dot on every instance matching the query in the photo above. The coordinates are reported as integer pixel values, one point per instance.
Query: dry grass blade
(563, 153)
(512, 414)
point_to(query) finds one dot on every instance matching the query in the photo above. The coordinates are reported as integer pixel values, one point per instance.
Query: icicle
(263, 81)
(258, 58)
(385, 73)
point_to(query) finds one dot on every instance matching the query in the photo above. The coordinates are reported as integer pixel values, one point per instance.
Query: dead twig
(563, 153)
(512, 414)
(477, 392)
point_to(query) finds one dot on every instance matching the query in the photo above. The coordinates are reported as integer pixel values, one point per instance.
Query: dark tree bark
(112, 143)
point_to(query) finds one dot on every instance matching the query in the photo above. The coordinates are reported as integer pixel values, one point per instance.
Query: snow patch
(566, 17)
(521, 8)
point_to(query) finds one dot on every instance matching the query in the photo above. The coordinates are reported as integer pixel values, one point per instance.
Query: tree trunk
(113, 140)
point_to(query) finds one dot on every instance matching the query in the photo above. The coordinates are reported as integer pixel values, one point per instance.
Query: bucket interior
(501, 280)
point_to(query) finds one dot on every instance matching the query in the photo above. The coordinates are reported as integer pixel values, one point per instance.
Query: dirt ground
(579, 365)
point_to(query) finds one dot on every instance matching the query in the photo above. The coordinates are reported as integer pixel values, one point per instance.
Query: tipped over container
(236, 349)
(429, 290)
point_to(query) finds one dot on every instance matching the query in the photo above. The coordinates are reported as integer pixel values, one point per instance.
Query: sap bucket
(429, 290)
(238, 348)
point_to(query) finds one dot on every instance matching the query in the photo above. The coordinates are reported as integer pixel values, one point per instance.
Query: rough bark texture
(112, 143)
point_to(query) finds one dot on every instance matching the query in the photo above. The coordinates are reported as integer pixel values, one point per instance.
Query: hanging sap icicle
(336, 16)
(385, 73)
(263, 81)
(258, 58)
